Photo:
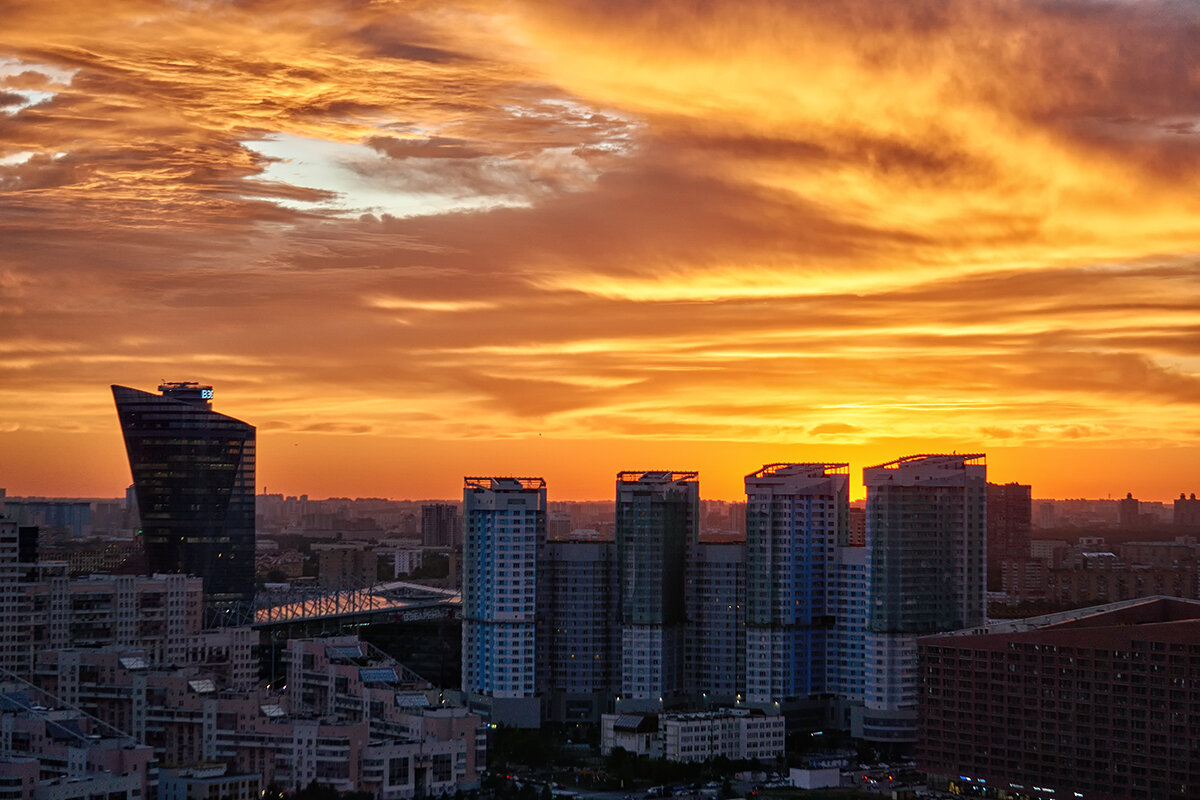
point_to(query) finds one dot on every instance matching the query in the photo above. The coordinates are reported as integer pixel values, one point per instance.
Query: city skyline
(414, 241)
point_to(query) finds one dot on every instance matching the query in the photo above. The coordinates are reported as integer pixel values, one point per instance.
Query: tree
(318, 791)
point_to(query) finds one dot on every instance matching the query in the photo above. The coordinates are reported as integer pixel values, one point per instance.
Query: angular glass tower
(193, 474)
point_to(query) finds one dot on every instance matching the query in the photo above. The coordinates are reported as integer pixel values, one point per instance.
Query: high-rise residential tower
(926, 543)
(504, 527)
(716, 609)
(14, 647)
(657, 525)
(193, 474)
(582, 641)
(805, 603)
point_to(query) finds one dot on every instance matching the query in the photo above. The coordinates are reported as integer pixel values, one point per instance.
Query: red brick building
(1099, 703)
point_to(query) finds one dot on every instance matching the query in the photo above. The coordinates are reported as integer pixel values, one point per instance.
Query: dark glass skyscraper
(658, 525)
(193, 474)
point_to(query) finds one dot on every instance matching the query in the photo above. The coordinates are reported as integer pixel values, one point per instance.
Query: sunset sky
(411, 241)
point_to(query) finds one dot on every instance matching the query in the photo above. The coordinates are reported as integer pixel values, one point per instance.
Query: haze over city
(411, 241)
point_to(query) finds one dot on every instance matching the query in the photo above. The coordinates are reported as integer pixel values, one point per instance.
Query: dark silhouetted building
(1100, 703)
(193, 474)
(27, 543)
(1187, 512)
(440, 525)
(1009, 518)
(1128, 511)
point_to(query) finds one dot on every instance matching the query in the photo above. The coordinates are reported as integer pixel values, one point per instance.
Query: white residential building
(806, 592)
(504, 521)
(733, 733)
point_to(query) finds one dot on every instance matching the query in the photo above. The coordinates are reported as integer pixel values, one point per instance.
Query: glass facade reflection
(193, 473)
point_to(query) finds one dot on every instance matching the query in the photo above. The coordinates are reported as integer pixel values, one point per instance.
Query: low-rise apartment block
(733, 733)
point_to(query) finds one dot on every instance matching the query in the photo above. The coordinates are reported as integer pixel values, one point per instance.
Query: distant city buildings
(681, 628)
(346, 565)
(43, 610)
(1009, 520)
(193, 474)
(110, 677)
(416, 743)
(1128, 512)
(399, 560)
(352, 719)
(1058, 574)
(72, 518)
(440, 525)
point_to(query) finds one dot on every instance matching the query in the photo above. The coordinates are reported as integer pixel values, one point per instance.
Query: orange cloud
(737, 232)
